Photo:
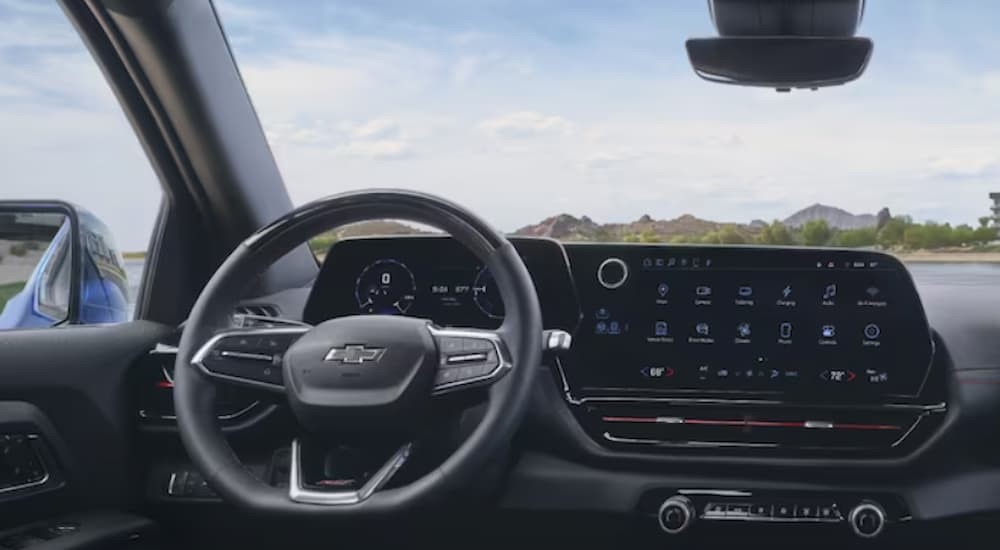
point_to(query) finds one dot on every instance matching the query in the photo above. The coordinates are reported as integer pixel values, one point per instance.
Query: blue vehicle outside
(44, 300)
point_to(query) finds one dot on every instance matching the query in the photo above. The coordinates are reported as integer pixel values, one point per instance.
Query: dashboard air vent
(259, 310)
(780, 429)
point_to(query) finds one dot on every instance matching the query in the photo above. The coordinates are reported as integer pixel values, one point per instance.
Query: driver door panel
(65, 416)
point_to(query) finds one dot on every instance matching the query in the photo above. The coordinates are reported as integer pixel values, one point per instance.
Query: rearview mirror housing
(781, 62)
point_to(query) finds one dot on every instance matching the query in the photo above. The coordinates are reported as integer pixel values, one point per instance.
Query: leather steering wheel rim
(521, 331)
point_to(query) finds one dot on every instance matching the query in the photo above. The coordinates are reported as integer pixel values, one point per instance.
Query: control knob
(675, 515)
(867, 519)
(612, 273)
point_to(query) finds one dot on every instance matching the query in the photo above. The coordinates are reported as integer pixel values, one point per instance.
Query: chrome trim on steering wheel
(298, 493)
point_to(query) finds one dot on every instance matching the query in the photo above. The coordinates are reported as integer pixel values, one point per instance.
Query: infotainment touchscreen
(809, 322)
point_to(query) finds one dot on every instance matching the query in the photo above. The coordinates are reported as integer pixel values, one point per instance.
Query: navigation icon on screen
(702, 329)
(785, 330)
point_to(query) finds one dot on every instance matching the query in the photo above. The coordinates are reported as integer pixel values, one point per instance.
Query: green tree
(816, 233)
(775, 233)
(856, 238)
(983, 235)
(648, 236)
(938, 235)
(891, 233)
(963, 235)
(726, 234)
(915, 236)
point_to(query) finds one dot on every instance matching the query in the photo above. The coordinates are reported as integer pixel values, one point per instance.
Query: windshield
(585, 121)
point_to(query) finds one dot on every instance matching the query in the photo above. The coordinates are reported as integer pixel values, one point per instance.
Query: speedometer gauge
(385, 287)
(486, 295)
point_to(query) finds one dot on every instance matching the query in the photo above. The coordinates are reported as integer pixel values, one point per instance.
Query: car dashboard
(722, 385)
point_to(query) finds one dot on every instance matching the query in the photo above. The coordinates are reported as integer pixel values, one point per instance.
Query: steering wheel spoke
(249, 357)
(468, 358)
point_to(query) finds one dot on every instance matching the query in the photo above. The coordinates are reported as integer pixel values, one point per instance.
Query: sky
(522, 109)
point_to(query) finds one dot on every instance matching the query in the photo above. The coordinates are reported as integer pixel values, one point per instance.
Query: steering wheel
(371, 373)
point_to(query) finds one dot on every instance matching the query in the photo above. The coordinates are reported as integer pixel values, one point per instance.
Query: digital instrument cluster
(435, 278)
(836, 324)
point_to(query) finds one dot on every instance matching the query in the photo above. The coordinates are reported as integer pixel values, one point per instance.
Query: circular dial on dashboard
(612, 273)
(486, 295)
(385, 287)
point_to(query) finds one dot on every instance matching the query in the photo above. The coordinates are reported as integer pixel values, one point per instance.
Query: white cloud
(964, 164)
(378, 128)
(376, 139)
(525, 124)
(380, 149)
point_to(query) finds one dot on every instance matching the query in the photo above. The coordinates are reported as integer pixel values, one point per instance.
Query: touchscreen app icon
(830, 292)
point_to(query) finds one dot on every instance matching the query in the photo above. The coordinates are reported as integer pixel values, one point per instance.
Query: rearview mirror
(58, 265)
(780, 62)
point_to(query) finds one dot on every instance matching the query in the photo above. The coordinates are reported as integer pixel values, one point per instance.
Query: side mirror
(58, 265)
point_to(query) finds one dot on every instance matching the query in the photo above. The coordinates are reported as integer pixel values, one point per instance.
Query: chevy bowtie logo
(355, 354)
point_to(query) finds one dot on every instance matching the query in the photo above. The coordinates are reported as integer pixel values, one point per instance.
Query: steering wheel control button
(612, 273)
(675, 515)
(466, 358)
(252, 357)
(476, 344)
(867, 519)
(451, 345)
